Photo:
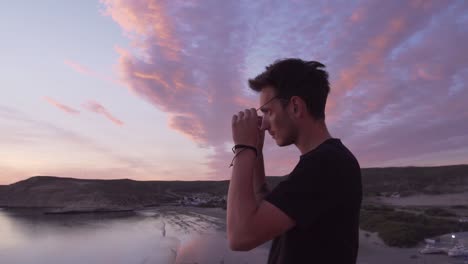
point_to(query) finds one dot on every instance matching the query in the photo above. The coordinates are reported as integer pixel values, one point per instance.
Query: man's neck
(314, 135)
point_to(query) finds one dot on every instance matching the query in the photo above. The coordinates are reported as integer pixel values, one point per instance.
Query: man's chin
(282, 143)
(279, 142)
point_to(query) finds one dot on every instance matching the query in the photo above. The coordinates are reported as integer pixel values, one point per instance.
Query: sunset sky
(146, 89)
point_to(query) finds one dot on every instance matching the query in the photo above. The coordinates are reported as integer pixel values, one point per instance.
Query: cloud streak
(63, 107)
(96, 107)
(79, 68)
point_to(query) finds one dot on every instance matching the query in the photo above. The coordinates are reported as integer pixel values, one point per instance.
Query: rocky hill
(124, 194)
(46, 191)
(415, 180)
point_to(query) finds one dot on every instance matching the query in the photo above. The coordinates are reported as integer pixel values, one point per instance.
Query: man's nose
(262, 124)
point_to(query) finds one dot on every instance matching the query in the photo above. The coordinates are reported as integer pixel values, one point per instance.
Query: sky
(146, 89)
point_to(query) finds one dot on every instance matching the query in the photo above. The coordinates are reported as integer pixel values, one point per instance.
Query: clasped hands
(246, 129)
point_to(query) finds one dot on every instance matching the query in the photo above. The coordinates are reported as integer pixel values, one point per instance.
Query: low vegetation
(404, 229)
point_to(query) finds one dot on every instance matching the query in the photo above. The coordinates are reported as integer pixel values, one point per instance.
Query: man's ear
(295, 101)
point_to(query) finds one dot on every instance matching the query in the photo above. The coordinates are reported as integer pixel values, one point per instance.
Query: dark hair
(290, 77)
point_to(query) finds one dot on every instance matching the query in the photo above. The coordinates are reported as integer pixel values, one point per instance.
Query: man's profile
(313, 215)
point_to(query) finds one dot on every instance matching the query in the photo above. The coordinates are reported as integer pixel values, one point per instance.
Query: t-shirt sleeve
(306, 194)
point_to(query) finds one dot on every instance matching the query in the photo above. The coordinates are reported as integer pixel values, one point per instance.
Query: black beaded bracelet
(244, 146)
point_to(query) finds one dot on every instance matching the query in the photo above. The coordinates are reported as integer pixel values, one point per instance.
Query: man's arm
(250, 224)
(241, 203)
(259, 182)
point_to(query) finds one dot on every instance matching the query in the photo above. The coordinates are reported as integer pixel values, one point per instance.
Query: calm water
(163, 235)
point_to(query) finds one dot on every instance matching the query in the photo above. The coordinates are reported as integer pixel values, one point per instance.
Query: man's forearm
(241, 203)
(259, 182)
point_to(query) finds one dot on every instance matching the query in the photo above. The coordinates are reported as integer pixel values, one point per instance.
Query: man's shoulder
(332, 158)
(331, 149)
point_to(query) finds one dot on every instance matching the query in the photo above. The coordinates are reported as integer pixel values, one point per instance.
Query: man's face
(275, 118)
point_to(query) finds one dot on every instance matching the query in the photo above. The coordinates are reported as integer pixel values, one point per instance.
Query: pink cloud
(179, 71)
(79, 68)
(94, 106)
(190, 126)
(160, 23)
(66, 109)
(357, 15)
(381, 57)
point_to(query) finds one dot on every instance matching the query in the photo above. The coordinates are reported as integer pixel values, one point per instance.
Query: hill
(123, 194)
(415, 180)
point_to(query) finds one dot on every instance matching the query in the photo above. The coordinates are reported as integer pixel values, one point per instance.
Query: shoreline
(103, 210)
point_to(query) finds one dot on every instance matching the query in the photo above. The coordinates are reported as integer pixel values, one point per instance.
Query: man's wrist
(259, 154)
(244, 150)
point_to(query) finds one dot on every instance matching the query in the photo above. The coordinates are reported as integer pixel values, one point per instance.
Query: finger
(234, 119)
(253, 112)
(239, 116)
(247, 113)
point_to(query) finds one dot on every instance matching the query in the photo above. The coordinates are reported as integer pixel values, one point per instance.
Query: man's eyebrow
(263, 109)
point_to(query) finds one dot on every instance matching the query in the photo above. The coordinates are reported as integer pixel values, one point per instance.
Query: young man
(313, 215)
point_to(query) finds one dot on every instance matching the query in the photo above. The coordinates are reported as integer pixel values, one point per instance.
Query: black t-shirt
(323, 195)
